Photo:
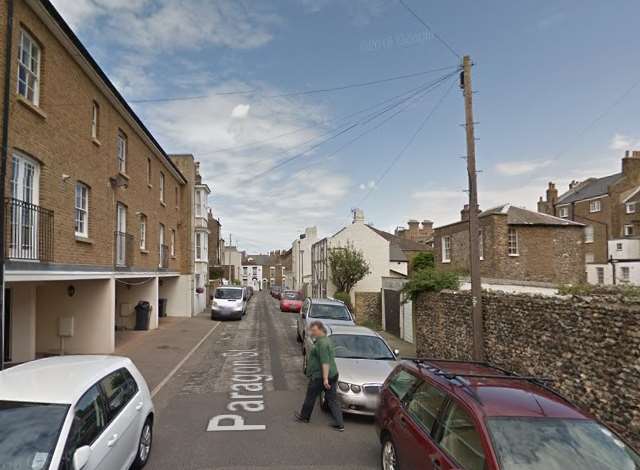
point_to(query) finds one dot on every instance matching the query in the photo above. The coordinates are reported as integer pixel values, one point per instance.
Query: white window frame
(446, 249)
(588, 234)
(198, 247)
(625, 273)
(143, 232)
(513, 243)
(121, 148)
(95, 121)
(161, 239)
(630, 208)
(628, 230)
(199, 202)
(619, 246)
(563, 212)
(162, 187)
(82, 210)
(595, 206)
(589, 258)
(600, 275)
(172, 246)
(29, 65)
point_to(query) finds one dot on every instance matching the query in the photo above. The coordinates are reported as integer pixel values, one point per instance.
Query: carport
(130, 291)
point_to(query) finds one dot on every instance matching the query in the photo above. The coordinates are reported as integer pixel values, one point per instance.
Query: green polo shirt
(321, 353)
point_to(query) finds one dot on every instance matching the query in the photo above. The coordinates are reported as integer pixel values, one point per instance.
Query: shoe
(300, 418)
(338, 427)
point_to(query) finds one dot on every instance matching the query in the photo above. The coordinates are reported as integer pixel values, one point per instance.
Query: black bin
(162, 307)
(143, 312)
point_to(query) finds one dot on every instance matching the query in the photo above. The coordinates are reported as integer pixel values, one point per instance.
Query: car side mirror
(81, 457)
(396, 352)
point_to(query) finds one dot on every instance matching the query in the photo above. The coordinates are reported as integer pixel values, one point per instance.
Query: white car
(229, 302)
(75, 413)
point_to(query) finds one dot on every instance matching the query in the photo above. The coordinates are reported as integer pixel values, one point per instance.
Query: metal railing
(28, 231)
(164, 256)
(123, 253)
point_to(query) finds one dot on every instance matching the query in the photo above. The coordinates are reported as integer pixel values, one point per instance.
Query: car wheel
(144, 445)
(388, 455)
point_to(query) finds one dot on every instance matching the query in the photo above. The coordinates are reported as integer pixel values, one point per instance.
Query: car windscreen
(559, 444)
(292, 296)
(228, 294)
(361, 347)
(330, 312)
(28, 434)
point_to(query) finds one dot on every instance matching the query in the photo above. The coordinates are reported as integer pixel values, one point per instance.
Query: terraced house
(95, 211)
(608, 207)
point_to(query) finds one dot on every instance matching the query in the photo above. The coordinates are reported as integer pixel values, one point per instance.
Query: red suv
(445, 415)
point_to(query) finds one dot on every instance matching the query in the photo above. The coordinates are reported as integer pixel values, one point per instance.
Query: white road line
(173, 372)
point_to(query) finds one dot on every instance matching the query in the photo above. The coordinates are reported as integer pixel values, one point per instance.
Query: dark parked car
(276, 291)
(446, 415)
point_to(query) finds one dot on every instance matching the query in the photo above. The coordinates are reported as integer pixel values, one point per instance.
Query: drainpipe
(3, 162)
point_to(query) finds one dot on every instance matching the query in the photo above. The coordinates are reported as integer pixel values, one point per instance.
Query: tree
(423, 260)
(430, 280)
(348, 266)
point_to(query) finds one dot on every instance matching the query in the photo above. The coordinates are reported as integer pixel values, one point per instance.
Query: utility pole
(474, 225)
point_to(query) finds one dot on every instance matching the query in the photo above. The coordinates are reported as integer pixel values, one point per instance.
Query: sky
(239, 83)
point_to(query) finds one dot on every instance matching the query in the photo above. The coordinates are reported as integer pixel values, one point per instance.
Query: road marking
(173, 372)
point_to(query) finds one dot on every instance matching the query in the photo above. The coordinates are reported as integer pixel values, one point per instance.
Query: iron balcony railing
(123, 256)
(29, 231)
(164, 256)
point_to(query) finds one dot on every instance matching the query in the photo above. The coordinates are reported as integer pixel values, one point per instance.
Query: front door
(25, 177)
(121, 239)
(392, 311)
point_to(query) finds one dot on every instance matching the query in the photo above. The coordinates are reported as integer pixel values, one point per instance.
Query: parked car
(75, 413)
(457, 415)
(291, 301)
(229, 302)
(364, 360)
(275, 292)
(328, 311)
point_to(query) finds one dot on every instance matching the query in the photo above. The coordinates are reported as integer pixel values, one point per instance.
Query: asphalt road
(252, 370)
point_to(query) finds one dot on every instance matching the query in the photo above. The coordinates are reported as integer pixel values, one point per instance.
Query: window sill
(96, 142)
(32, 107)
(446, 261)
(83, 239)
(514, 255)
(144, 252)
(589, 242)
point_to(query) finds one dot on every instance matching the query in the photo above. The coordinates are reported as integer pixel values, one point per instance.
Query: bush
(622, 290)
(430, 280)
(344, 297)
(423, 261)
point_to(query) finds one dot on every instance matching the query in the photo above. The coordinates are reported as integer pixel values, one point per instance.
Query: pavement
(228, 403)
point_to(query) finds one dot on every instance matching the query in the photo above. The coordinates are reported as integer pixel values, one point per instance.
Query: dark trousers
(314, 389)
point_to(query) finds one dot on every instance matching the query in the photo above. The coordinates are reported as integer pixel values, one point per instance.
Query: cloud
(361, 12)
(515, 168)
(371, 184)
(623, 142)
(241, 111)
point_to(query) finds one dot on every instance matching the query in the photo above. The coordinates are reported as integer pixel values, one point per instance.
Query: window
(161, 187)
(588, 234)
(595, 206)
(245, 270)
(619, 246)
(481, 244)
(143, 232)
(149, 172)
(89, 420)
(95, 117)
(163, 248)
(401, 383)
(589, 258)
(461, 440)
(255, 270)
(425, 405)
(29, 68)
(82, 210)
(119, 389)
(630, 207)
(513, 242)
(122, 152)
(173, 242)
(563, 212)
(628, 230)
(199, 248)
(446, 249)
(198, 203)
(625, 271)
(600, 275)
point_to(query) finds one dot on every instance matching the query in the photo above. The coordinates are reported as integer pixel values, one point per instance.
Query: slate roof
(398, 245)
(519, 216)
(593, 187)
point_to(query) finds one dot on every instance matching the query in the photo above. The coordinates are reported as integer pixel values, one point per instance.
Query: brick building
(515, 245)
(274, 267)
(607, 207)
(96, 212)
(417, 232)
(215, 229)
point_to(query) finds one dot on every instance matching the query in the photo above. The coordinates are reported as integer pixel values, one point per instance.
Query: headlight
(344, 387)
(356, 388)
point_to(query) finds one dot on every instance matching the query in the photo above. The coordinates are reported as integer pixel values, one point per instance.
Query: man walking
(323, 376)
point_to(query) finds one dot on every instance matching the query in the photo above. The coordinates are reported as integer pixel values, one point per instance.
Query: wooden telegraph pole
(474, 225)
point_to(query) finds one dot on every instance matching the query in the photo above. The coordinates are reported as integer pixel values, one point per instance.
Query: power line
(420, 95)
(294, 93)
(408, 144)
(435, 35)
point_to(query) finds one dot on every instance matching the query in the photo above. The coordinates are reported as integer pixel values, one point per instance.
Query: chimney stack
(631, 164)
(358, 216)
(464, 213)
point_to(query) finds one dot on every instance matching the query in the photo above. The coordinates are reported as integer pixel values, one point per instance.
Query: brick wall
(590, 346)
(57, 134)
(368, 308)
